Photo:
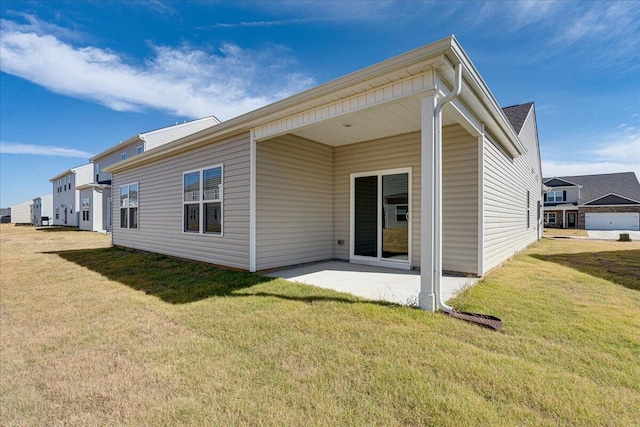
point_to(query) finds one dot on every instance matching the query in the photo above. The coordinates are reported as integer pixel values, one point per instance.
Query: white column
(252, 202)
(427, 186)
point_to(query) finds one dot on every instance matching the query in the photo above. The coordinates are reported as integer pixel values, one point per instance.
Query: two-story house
(593, 202)
(42, 210)
(96, 195)
(66, 198)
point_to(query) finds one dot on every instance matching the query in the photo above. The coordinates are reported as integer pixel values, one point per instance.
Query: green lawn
(92, 335)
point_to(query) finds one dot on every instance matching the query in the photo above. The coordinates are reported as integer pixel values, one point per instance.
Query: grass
(565, 232)
(97, 336)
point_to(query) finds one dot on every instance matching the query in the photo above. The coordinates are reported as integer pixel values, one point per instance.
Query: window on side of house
(202, 201)
(555, 196)
(123, 156)
(97, 171)
(139, 149)
(85, 209)
(129, 206)
(57, 213)
(550, 217)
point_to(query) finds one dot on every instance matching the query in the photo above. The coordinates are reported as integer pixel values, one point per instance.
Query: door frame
(379, 261)
(575, 219)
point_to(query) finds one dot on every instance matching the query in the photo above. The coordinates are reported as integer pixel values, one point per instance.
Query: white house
(66, 198)
(22, 213)
(409, 163)
(95, 196)
(42, 208)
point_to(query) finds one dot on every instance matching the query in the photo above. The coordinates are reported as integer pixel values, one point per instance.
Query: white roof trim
(611, 194)
(440, 54)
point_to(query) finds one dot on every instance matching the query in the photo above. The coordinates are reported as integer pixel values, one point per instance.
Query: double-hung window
(129, 206)
(86, 205)
(202, 201)
(555, 196)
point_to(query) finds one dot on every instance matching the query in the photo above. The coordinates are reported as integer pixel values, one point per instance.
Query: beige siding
(459, 201)
(505, 197)
(460, 191)
(21, 212)
(402, 151)
(294, 202)
(160, 211)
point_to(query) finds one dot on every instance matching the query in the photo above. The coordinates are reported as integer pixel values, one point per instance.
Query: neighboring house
(593, 202)
(66, 198)
(21, 213)
(42, 208)
(365, 168)
(95, 196)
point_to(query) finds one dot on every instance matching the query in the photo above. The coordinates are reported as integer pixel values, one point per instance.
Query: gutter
(437, 196)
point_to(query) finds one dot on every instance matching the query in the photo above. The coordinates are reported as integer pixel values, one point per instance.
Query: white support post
(426, 297)
(252, 202)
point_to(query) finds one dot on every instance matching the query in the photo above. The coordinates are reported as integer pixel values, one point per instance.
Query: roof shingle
(624, 184)
(517, 114)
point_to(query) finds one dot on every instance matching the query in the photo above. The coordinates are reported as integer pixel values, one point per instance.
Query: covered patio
(370, 282)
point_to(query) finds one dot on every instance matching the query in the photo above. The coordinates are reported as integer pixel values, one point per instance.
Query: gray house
(95, 195)
(408, 164)
(594, 202)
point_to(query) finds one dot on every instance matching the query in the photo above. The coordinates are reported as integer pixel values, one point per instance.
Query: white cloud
(182, 80)
(42, 150)
(619, 152)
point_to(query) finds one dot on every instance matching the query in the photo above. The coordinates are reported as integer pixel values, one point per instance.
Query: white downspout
(437, 199)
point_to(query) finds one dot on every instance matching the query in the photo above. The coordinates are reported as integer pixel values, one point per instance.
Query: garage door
(612, 221)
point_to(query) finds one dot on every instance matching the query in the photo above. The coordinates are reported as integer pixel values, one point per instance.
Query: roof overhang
(377, 101)
(92, 186)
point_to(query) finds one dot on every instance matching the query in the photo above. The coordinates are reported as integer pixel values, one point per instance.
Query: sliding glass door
(380, 220)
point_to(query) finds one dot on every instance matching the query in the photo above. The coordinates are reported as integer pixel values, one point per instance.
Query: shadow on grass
(179, 281)
(620, 267)
(54, 228)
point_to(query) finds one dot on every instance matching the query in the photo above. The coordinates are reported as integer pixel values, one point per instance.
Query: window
(139, 149)
(129, 206)
(85, 209)
(401, 213)
(555, 196)
(97, 171)
(123, 156)
(202, 201)
(57, 213)
(550, 217)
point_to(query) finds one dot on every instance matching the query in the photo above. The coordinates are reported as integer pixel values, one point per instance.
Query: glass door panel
(366, 221)
(395, 216)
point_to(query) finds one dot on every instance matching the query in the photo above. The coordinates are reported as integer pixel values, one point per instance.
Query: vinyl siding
(294, 202)
(21, 212)
(96, 211)
(112, 158)
(460, 191)
(160, 206)
(163, 136)
(459, 201)
(401, 151)
(506, 182)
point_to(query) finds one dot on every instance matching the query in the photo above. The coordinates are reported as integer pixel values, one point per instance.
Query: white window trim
(128, 207)
(555, 199)
(379, 261)
(123, 156)
(548, 217)
(201, 202)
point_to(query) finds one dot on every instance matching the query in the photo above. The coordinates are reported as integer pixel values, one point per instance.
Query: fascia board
(481, 90)
(607, 195)
(117, 147)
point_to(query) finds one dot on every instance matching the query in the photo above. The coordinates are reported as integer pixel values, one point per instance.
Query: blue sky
(78, 77)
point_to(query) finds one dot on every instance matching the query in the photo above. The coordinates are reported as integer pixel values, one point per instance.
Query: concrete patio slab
(374, 283)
